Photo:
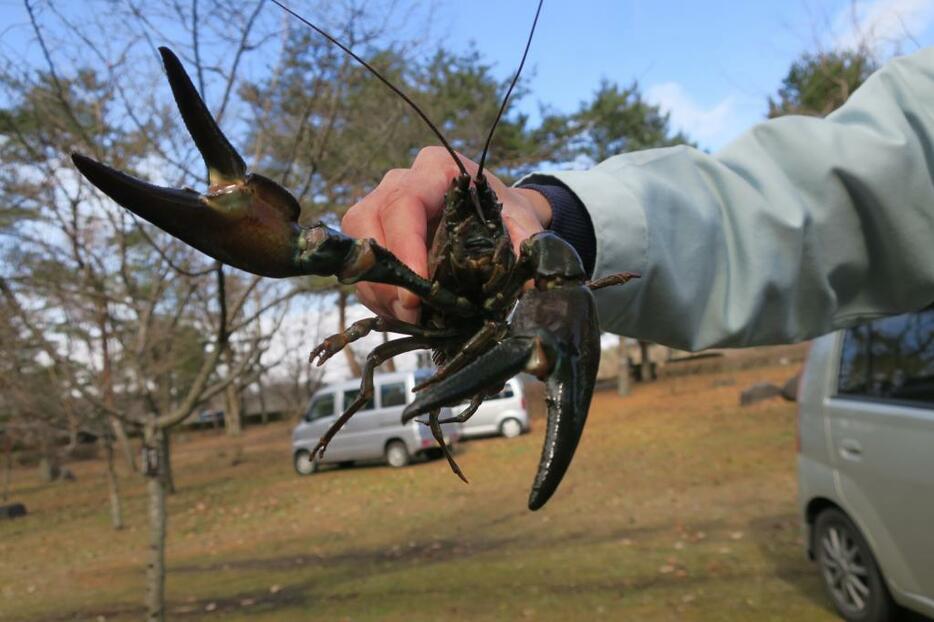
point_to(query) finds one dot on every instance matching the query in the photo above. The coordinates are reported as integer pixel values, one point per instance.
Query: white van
(375, 431)
(866, 465)
(504, 414)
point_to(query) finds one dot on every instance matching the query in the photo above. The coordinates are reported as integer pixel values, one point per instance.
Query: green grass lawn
(679, 506)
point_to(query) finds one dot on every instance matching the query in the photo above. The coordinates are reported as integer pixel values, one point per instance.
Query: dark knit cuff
(569, 220)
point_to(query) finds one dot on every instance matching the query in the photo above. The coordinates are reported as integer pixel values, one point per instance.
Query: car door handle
(851, 449)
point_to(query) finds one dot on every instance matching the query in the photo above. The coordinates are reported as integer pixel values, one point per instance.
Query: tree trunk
(8, 466)
(165, 462)
(390, 364)
(645, 368)
(113, 485)
(264, 414)
(124, 441)
(622, 374)
(233, 410)
(50, 467)
(107, 382)
(73, 429)
(155, 568)
(352, 362)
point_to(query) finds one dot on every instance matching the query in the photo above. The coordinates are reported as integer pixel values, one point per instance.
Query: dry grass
(679, 506)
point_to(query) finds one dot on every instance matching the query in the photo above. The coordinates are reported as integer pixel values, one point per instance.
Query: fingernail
(404, 313)
(408, 299)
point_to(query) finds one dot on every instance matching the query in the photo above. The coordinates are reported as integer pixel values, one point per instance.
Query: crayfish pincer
(478, 319)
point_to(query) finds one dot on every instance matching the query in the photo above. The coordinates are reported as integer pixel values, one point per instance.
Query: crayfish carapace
(479, 319)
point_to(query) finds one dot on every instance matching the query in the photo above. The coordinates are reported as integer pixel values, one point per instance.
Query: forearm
(800, 226)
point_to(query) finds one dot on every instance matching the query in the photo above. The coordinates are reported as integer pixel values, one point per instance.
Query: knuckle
(427, 154)
(394, 176)
(395, 201)
(436, 158)
(353, 219)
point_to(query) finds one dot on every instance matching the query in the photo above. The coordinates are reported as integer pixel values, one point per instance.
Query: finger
(405, 224)
(361, 222)
(368, 295)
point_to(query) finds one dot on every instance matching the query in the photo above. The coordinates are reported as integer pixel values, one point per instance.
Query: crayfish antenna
(392, 87)
(512, 85)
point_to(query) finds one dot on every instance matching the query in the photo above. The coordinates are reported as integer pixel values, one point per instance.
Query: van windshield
(321, 406)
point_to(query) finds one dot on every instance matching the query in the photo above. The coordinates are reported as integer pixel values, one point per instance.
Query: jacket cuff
(614, 208)
(569, 218)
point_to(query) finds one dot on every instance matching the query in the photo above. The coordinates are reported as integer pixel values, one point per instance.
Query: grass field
(679, 506)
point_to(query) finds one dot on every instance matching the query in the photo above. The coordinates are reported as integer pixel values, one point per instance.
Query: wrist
(537, 203)
(567, 217)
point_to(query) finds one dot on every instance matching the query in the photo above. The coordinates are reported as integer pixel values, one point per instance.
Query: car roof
(399, 376)
(354, 383)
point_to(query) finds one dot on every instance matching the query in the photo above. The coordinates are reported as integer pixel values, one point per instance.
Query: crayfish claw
(225, 166)
(247, 221)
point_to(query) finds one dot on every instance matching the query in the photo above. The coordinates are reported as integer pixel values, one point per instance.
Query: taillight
(523, 402)
(798, 410)
(798, 429)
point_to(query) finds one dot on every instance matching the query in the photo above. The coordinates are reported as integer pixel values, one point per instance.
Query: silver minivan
(866, 465)
(375, 431)
(504, 414)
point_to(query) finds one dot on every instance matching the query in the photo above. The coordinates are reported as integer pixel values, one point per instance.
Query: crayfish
(482, 322)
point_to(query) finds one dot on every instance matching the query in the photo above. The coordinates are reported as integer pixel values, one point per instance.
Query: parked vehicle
(374, 432)
(866, 465)
(504, 414)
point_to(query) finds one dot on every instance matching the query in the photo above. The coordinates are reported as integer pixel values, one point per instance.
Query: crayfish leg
(377, 357)
(438, 433)
(468, 412)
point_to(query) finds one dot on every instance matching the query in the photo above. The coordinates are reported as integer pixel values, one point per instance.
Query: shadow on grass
(779, 538)
(433, 456)
(776, 536)
(253, 601)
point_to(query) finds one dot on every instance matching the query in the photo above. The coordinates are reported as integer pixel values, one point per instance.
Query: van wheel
(303, 463)
(397, 455)
(510, 428)
(849, 570)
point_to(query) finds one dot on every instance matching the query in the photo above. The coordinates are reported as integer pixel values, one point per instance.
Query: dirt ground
(680, 505)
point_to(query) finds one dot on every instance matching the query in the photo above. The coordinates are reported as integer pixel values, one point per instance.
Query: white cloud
(878, 24)
(711, 126)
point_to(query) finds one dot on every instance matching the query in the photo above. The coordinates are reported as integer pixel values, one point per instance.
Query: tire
(397, 455)
(510, 428)
(849, 570)
(303, 463)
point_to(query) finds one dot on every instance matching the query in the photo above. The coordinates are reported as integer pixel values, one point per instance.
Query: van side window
(891, 358)
(351, 394)
(321, 406)
(392, 394)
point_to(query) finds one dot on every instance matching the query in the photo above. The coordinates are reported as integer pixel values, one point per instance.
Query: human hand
(408, 201)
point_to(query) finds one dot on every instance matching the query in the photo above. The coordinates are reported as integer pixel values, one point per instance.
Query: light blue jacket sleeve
(800, 226)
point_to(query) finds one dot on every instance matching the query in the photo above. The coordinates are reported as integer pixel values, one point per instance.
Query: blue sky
(712, 64)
